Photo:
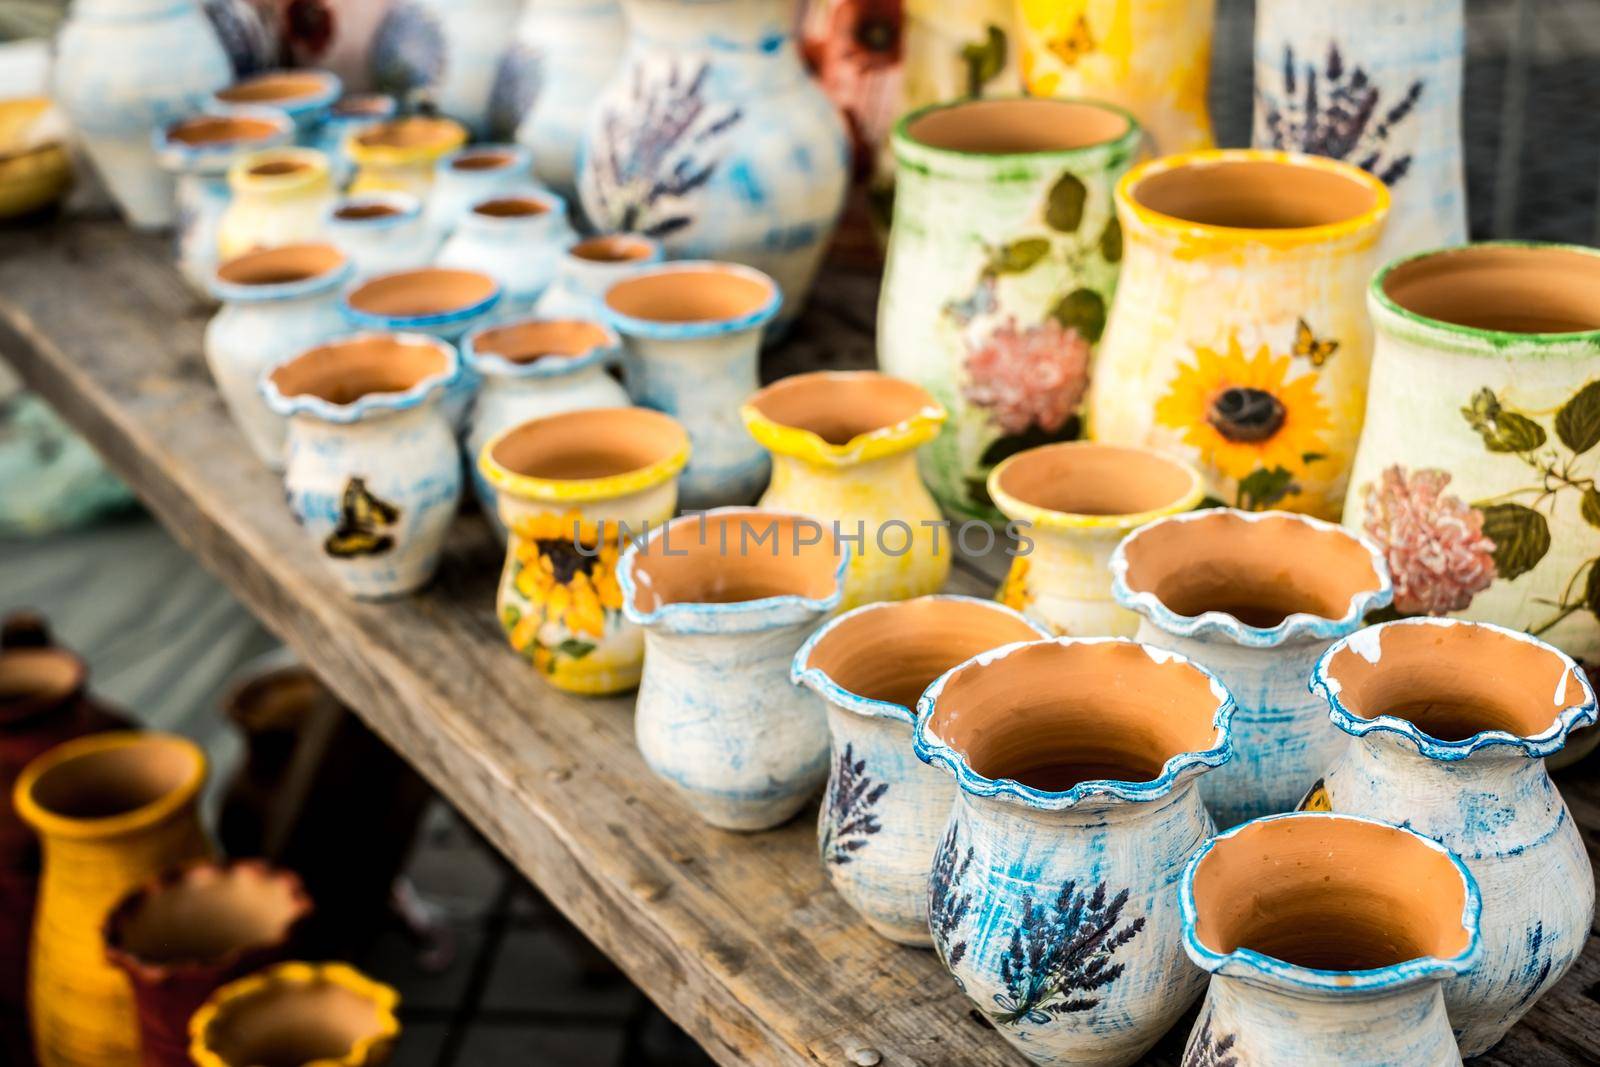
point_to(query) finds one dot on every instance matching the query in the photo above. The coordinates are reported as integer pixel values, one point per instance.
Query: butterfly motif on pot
(1310, 346)
(1074, 45)
(363, 520)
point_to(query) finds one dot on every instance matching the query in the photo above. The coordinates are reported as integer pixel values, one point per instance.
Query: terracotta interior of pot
(282, 265)
(208, 913)
(1335, 894)
(612, 248)
(840, 407)
(524, 342)
(428, 291)
(413, 132)
(1259, 571)
(1051, 715)
(1004, 127)
(292, 1025)
(358, 212)
(691, 295)
(1489, 287)
(37, 675)
(734, 558)
(220, 129)
(362, 104)
(279, 86)
(1092, 479)
(1455, 681)
(279, 168)
(596, 443)
(343, 372)
(115, 781)
(1255, 194)
(482, 161)
(280, 700)
(510, 207)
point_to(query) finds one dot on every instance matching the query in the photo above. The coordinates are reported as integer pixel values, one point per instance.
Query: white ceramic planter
(575, 45)
(590, 267)
(305, 96)
(517, 236)
(381, 232)
(280, 197)
(469, 175)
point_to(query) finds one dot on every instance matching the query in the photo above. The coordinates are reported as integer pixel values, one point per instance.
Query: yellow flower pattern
(566, 571)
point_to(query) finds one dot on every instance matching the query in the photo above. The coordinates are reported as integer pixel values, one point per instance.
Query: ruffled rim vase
(361, 376)
(329, 1014)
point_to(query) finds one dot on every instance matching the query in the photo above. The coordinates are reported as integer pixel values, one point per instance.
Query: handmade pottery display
(884, 812)
(112, 811)
(469, 175)
(517, 236)
(297, 1013)
(576, 45)
(1002, 261)
(279, 198)
(1327, 938)
(372, 471)
(349, 116)
(1239, 339)
(692, 341)
(458, 57)
(590, 267)
(1376, 84)
(959, 49)
(1051, 895)
(712, 139)
(306, 96)
(572, 488)
(844, 447)
(400, 155)
(381, 233)
(1450, 722)
(1257, 597)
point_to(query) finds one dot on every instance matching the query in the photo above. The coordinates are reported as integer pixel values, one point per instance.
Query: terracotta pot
(193, 929)
(348, 116)
(297, 1013)
(279, 198)
(468, 175)
(590, 267)
(304, 95)
(1327, 938)
(400, 155)
(381, 232)
(517, 236)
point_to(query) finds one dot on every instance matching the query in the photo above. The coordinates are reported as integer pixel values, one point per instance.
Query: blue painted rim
(629, 326)
(401, 323)
(179, 156)
(373, 403)
(555, 208)
(408, 208)
(301, 108)
(491, 365)
(233, 293)
(521, 159)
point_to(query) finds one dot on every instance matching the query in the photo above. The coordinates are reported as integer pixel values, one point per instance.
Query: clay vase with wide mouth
(381, 232)
(725, 599)
(468, 175)
(692, 341)
(349, 115)
(516, 235)
(1003, 257)
(1257, 597)
(1051, 897)
(372, 470)
(1327, 938)
(573, 488)
(304, 95)
(400, 155)
(590, 267)
(1068, 506)
(279, 197)
(297, 1013)
(884, 812)
(1450, 723)
(112, 811)
(579, 43)
(192, 930)
(1239, 339)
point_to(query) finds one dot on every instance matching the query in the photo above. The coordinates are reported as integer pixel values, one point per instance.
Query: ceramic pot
(306, 96)
(1051, 894)
(299, 1013)
(279, 198)
(572, 488)
(1069, 505)
(469, 175)
(112, 811)
(399, 156)
(275, 303)
(856, 52)
(1239, 339)
(192, 930)
(692, 344)
(844, 447)
(590, 267)
(959, 49)
(372, 471)
(1257, 597)
(1450, 722)
(712, 139)
(1002, 260)
(576, 45)
(125, 69)
(1327, 938)
(349, 116)
(884, 812)
(1378, 85)
(516, 236)
(249, 31)
(458, 57)
(382, 233)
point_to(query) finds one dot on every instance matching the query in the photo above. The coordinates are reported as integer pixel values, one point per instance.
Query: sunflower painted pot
(381, 233)
(301, 1013)
(305, 96)
(1002, 260)
(577, 45)
(348, 116)
(590, 267)
(1257, 597)
(884, 812)
(1239, 339)
(279, 198)
(843, 447)
(572, 489)
(1069, 506)
(1051, 895)
(518, 237)
(468, 175)
(957, 50)
(1327, 938)
(401, 155)
(725, 599)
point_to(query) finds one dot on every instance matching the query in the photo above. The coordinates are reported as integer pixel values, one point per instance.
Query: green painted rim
(903, 141)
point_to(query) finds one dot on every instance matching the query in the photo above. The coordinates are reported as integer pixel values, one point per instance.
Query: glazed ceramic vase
(884, 812)
(959, 49)
(1069, 505)
(712, 138)
(725, 599)
(517, 236)
(572, 488)
(1239, 339)
(275, 304)
(1051, 897)
(1450, 722)
(844, 447)
(1327, 939)
(1377, 84)
(469, 175)
(458, 57)
(381, 233)
(372, 471)
(1002, 260)
(279, 198)
(299, 1013)
(577, 45)
(181, 936)
(692, 345)
(400, 155)
(305, 96)
(123, 70)
(348, 116)
(590, 267)
(112, 811)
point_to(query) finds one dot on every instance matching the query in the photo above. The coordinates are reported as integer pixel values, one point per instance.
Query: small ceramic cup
(400, 155)
(297, 1013)
(380, 232)
(590, 267)
(516, 235)
(475, 173)
(304, 95)
(279, 198)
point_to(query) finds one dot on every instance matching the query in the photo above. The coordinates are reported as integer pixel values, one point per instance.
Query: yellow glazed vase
(1239, 337)
(279, 198)
(318, 1014)
(400, 156)
(112, 811)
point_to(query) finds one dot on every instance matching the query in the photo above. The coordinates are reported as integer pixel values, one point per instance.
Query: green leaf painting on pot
(1002, 262)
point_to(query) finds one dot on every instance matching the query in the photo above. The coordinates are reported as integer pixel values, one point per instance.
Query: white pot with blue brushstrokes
(460, 57)
(1450, 723)
(381, 232)
(725, 599)
(1257, 597)
(518, 236)
(349, 116)
(590, 267)
(306, 96)
(469, 175)
(1051, 898)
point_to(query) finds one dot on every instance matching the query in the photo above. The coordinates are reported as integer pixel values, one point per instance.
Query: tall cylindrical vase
(576, 45)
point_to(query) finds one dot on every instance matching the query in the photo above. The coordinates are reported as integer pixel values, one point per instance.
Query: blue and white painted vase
(574, 47)
(884, 812)
(1051, 895)
(349, 116)
(692, 344)
(1257, 597)
(381, 232)
(469, 175)
(460, 57)
(590, 267)
(517, 236)
(305, 95)
(1450, 722)
(714, 139)
(725, 599)
(1328, 938)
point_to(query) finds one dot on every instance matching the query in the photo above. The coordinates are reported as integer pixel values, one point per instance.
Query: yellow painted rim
(49, 824)
(315, 171)
(570, 490)
(383, 998)
(449, 136)
(1045, 518)
(806, 445)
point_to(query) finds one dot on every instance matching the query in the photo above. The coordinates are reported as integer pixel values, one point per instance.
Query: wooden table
(738, 937)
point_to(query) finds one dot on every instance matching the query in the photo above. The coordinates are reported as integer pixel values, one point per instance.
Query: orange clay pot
(326, 1014)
